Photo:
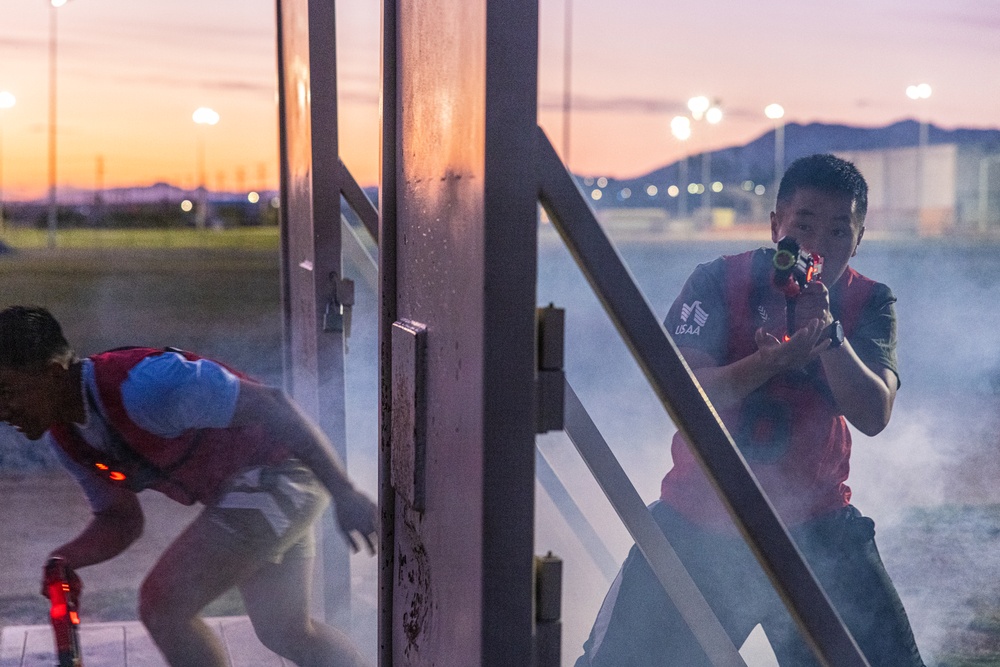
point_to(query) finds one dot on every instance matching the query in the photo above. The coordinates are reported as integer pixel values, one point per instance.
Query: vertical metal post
(387, 237)
(311, 245)
(567, 78)
(465, 223)
(682, 209)
(53, 205)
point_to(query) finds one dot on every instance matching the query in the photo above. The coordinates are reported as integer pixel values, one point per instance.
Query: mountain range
(754, 161)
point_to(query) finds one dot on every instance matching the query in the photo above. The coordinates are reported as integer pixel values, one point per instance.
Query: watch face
(836, 334)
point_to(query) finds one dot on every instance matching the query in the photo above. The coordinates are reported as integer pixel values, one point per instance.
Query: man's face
(28, 400)
(824, 223)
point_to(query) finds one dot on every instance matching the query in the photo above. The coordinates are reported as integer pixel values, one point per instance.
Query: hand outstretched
(794, 353)
(357, 513)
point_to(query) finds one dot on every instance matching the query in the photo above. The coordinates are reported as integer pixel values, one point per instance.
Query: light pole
(567, 76)
(921, 91)
(680, 127)
(984, 190)
(776, 112)
(7, 100)
(203, 116)
(53, 206)
(704, 109)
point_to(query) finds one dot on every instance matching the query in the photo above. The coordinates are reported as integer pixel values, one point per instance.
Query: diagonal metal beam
(574, 517)
(653, 544)
(358, 200)
(694, 416)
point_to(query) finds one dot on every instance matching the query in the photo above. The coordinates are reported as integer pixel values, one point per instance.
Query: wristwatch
(836, 333)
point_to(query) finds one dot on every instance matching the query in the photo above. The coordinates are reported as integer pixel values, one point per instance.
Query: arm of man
(865, 394)
(287, 424)
(863, 385)
(112, 529)
(728, 385)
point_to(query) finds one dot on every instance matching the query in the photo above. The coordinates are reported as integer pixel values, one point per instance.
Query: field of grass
(240, 238)
(221, 301)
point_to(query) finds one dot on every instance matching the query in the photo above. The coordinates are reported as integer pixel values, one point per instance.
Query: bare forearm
(728, 385)
(291, 427)
(107, 535)
(864, 398)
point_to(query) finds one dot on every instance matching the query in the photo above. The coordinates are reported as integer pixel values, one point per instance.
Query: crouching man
(138, 418)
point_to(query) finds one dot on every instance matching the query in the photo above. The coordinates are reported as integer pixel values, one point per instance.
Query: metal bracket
(550, 378)
(548, 610)
(337, 316)
(409, 411)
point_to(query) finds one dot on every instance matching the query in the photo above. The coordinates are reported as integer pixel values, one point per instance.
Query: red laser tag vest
(189, 468)
(789, 430)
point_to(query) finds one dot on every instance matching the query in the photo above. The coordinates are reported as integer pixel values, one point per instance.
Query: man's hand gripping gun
(793, 268)
(63, 587)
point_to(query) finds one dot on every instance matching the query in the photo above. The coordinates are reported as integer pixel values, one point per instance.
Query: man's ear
(861, 232)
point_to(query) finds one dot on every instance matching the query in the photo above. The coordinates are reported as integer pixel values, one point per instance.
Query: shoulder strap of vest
(738, 288)
(853, 292)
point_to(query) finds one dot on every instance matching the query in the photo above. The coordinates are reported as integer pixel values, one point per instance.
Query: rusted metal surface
(461, 205)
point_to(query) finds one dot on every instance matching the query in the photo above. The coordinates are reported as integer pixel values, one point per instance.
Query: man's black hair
(826, 173)
(30, 338)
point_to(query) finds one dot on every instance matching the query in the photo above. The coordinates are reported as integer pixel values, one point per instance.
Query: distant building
(959, 193)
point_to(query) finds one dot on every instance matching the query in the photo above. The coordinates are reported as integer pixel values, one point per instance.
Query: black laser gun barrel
(794, 267)
(63, 588)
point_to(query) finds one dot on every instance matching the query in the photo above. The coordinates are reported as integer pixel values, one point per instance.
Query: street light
(921, 91)
(53, 207)
(680, 127)
(776, 112)
(567, 76)
(702, 108)
(202, 116)
(713, 116)
(7, 100)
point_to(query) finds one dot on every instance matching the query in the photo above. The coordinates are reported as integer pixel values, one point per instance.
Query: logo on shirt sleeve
(697, 316)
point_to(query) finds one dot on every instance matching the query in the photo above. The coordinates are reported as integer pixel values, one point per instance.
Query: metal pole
(662, 559)
(567, 77)
(682, 209)
(921, 157)
(388, 312)
(2, 223)
(201, 215)
(984, 190)
(706, 180)
(984, 193)
(53, 210)
(779, 155)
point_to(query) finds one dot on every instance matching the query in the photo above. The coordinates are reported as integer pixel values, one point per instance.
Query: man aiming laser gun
(794, 268)
(63, 587)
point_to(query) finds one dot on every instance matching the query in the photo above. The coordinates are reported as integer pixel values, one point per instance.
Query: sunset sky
(131, 73)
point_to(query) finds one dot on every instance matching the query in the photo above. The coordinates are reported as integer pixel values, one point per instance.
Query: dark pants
(638, 626)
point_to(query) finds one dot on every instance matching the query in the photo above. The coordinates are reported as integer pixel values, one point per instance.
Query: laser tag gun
(63, 587)
(793, 268)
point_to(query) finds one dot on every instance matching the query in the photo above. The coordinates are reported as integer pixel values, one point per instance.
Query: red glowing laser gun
(63, 587)
(793, 268)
